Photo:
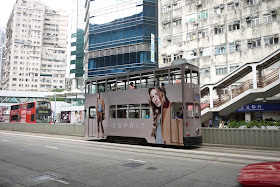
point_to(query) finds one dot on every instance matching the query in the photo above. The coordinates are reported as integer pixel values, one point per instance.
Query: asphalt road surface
(47, 160)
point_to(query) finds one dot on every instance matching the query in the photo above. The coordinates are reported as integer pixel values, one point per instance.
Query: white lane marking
(137, 160)
(61, 181)
(5, 140)
(51, 147)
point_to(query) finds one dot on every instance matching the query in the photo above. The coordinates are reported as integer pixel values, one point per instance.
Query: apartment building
(119, 36)
(2, 51)
(36, 38)
(218, 35)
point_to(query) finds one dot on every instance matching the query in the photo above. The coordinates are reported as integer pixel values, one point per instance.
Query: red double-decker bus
(33, 112)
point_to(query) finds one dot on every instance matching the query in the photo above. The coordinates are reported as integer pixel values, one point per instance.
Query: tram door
(92, 131)
(176, 130)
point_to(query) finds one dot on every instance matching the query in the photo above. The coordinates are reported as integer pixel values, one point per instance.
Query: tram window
(112, 111)
(92, 112)
(121, 83)
(189, 108)
(176, 110)
(147, 80)
(121, 111)
(134, 110)
(135, 79)
(30, 105)
(32, 117)
(194, 77)
(188, 75)
(161, 78)
(94, 89)
(101, 86)
(145, 111)
(175, 76)
(111, 85)
(197, 110)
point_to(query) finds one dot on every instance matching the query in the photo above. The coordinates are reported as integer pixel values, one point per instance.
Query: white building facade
(36, 42)
(217, 35)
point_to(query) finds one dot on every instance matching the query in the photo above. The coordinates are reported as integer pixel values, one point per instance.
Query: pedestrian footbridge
(263, 82)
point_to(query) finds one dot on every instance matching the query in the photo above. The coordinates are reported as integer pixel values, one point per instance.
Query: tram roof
(175, 63)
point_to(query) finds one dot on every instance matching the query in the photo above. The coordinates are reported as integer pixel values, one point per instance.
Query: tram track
(208, 153)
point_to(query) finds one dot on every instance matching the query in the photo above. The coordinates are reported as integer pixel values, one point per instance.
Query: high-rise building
(2, 51)
(77, 44)
(218, 36)
(121, 36)
(36, 38)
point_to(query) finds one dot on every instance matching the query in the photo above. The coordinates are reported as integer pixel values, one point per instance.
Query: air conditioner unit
(273, 12)
(249, 41)
(198, 3)
(275, 36)
(236, 1)
(248, 18)
(221, 6)
(195, 23)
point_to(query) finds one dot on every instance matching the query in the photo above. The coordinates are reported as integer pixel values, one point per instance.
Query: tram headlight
(197, 131)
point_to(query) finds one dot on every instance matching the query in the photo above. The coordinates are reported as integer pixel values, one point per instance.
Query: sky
(6, 7)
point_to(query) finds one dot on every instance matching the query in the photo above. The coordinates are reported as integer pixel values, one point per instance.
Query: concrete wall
(69, 129)
(242, 137)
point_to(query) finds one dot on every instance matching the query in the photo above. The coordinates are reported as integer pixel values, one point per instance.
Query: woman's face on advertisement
(155, 98)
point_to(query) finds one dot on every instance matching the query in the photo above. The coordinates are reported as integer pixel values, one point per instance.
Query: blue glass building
(119, 36)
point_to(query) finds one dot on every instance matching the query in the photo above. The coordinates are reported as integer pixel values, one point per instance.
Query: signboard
(152, 47)
(260, 107)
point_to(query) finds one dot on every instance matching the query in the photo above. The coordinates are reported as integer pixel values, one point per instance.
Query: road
(28, 159)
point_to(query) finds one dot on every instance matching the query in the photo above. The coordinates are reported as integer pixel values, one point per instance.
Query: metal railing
(247, 85)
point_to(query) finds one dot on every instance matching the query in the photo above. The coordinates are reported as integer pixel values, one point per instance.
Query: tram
(160, 106)
(32, 112)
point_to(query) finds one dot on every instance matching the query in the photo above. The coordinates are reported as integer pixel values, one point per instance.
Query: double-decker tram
(32, 112)
(160, 106)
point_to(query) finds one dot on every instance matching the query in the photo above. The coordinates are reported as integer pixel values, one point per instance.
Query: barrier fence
(61, 129)
(242, 137)
(227, 136)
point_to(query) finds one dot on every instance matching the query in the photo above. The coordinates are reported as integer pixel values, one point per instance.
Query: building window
(221, 71)
(267, 18)
(166, 25)
(203, 33)
(178, 56)
(177, 39)
(219, 29)
(177, 22)
(202, 14)
(219, 9)
(251, 2)
(234, 46)
(191, 54)
(233, 67)
(271, 40)
(205, 52)
(167, 59)
(253, 43)
(191, 36)
(166, 8)
(204, 72)
(177, 4)
(231, 6)
(233, 26)
(191, 18)
(252, 21)
(220, 49)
